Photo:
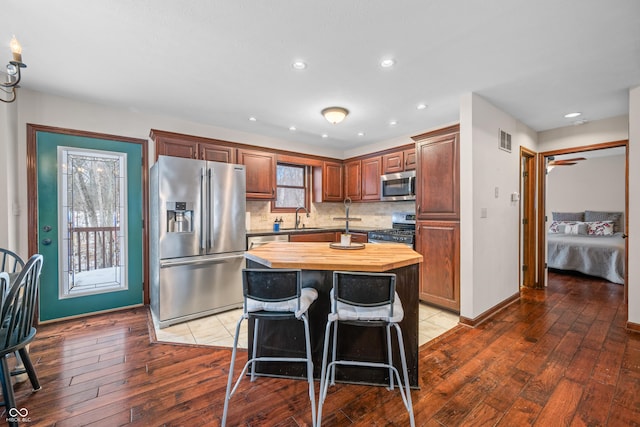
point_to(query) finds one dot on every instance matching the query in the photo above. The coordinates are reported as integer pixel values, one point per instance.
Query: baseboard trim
(633, 327)
(491, 312)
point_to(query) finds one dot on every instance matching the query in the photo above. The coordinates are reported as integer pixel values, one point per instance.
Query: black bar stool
(274, 294)
(368, 300)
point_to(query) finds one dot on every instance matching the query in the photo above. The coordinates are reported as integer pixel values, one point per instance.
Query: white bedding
(601, 256)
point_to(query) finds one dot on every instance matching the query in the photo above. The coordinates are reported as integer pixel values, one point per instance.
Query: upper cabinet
(191, 147)
(260, 167)
(399, 161)
(437, 176)
(362, 179)
(328, 182)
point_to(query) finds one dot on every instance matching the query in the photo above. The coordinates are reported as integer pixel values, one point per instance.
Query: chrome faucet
(297, 218)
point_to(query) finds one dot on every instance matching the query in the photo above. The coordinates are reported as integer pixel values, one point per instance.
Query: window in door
(92, 221)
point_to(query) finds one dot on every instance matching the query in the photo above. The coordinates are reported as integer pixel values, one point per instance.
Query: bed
(592, 244)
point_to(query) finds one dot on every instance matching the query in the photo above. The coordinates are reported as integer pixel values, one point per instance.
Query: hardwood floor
(559, 356)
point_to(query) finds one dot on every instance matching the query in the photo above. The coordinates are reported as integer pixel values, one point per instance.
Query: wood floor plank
(556, 356)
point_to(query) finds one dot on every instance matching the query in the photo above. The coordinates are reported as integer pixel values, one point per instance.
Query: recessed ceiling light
(252, 119)
(421, 106)
(299, 65)
(324, 135)
(292, 128)
(387, 62)
(393, 122)
(360, 133)
(572, 115)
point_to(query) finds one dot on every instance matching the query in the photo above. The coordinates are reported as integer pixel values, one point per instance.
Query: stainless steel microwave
(398, 186)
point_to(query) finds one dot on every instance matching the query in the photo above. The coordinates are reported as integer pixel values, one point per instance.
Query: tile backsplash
(375, 214)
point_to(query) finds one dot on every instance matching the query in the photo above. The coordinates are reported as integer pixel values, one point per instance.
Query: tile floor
(219, 329)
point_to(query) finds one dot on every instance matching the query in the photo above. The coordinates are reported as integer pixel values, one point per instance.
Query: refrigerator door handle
(211, 196)
(220, 260)
(203, 219)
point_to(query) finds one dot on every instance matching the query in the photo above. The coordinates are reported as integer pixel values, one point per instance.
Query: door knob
(46, 242)
(47, 228)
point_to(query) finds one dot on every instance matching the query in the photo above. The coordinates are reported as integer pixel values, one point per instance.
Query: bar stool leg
(312, 392)
(255, 349)
(324, 375)
(229, 392)
(387, 331)
(408, 403)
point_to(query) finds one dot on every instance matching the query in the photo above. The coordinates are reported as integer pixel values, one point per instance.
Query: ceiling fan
(564, 162)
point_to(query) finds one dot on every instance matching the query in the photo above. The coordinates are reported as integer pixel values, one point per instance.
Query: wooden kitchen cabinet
(399, 161)
(438, 216)
(355, 237)
(329, 236)
(370, 185)
(438, 177)
(260, 168)
(191, 147)
(353, 180)
(328, 183)
(439, 244)
(362, 179)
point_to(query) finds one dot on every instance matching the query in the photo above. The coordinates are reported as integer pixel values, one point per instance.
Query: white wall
(593, 184)
(597, 132)
(489, 255)
(633, 284)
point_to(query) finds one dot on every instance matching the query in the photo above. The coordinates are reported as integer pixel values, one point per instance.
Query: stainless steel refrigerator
(197, 238)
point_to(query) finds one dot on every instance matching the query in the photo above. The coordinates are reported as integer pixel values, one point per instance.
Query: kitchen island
(318, 260)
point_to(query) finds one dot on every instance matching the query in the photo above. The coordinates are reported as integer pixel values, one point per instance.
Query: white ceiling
(221, 62)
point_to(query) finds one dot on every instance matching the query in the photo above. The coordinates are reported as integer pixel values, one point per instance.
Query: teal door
(90, 211)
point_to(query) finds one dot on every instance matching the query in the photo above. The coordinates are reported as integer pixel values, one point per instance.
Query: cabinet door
(261, 173)
(353, 180)
(358, 237)
(409, 159)
(332, 183)
(438, 183)
(217, 153)
(371, 178)
(328, 236)
(439, 244)
(393, 162)
(176, 148)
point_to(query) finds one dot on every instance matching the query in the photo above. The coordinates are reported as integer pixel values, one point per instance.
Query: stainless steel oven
(398, 186)
(403, 231)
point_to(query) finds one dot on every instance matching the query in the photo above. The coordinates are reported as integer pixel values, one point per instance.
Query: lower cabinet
(329, 236)
(439, 244)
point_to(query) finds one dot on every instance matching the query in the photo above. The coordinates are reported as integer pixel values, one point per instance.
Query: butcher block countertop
(319, 256)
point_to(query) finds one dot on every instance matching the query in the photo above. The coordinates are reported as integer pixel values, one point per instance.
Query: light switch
(515, 197)
(483, 212)
(497, 192)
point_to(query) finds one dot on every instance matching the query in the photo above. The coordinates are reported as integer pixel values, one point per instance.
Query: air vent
(505, 141)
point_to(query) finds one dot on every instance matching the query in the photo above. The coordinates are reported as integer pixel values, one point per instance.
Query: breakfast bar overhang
(318, 260)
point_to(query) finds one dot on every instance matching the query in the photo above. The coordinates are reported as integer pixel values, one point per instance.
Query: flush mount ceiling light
(387, 62)
(299, 65)
(572, 115)
(335, 115)
(421, 106)
(13, 71)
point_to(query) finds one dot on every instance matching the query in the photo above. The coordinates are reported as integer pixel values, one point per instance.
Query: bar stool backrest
(10, 261)
(271, 285)
(364, 289)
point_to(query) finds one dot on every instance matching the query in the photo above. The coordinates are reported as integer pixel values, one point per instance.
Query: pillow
(559, 226)
(567, 216)
(600, 228)
(615, 217)
(577, 228)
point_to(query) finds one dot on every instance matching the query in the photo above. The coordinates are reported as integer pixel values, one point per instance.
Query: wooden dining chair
(16, 327)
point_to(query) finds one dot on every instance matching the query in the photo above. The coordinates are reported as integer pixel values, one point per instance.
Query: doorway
(87, 208)
(543, 161)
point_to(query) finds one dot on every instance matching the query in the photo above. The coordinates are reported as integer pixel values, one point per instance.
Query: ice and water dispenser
(179, 217)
